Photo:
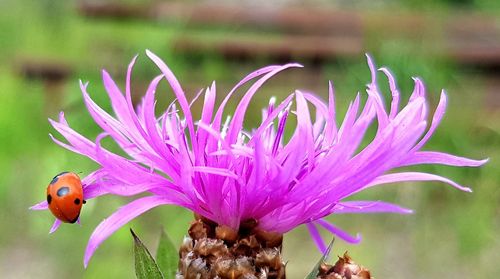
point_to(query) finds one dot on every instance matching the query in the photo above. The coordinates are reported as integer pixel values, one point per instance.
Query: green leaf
(167, 256)
(314, 273)
(145, 265)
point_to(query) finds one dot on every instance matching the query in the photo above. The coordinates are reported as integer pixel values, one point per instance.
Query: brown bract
(213, 251)
(344, 268)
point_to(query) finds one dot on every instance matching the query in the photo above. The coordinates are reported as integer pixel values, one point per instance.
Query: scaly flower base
(344, 268)
(213, 251)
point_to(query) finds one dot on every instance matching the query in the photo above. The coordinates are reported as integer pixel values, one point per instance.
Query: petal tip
(407, 211)
(150, 54)
(33, 207)
(87, 257)
(358, 239)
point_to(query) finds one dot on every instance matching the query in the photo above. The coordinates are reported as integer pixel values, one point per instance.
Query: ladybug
(65, 196)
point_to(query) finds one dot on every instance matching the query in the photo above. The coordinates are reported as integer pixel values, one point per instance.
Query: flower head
(215, 168)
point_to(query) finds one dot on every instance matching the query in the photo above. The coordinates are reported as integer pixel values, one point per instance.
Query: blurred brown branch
(314, 33)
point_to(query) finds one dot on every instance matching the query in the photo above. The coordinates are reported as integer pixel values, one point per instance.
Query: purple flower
(218, 170)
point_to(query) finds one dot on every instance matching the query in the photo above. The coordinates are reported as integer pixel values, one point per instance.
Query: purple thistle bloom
(218, 170)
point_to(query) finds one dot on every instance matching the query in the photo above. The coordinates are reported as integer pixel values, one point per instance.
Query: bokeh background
(46, 46)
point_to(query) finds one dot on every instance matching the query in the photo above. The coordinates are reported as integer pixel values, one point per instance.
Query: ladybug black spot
(63, 191)
(77, 201)
(49, 198)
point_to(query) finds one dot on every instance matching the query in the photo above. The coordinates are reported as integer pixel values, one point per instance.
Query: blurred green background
(46, 46)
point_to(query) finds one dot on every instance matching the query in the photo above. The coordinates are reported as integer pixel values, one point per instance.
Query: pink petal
(413, 176)
(270, 118)
(436, 119)
(40, 206)
(55, 226)
(338, 232)
(176, 87)
(331, 122)
(316, 236)
(432, 157)
(239, 114)
(252, 75)
(103, 119)
(216, 171)
(119, 218)
(118, 101)
(369, 207)
(394, 91)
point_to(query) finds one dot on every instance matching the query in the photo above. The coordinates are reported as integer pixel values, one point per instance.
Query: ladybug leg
(84, 201)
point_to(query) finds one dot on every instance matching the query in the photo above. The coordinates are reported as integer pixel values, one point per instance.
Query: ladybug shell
(65, 196)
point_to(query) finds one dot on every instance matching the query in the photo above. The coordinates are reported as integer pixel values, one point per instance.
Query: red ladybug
(65, 196)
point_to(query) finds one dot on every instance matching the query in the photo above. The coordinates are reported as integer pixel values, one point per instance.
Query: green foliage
(314, 272)
(145, 265)
(167, 256)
